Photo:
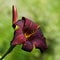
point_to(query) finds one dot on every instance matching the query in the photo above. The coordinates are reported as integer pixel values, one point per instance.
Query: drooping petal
(27, 46)
(38, 41)
(40, 45)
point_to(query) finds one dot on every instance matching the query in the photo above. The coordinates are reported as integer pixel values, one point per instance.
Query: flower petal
(27, 46)
(38, 41)
(19, 37)
(29, 26)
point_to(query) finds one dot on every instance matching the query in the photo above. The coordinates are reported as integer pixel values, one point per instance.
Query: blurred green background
(44, 12)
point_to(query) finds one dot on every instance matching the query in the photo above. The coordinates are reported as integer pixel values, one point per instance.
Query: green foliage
(44, 12)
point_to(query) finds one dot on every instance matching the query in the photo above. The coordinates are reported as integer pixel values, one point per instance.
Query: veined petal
(29, 26)
(27, 46)
(38, 41)
(19, 37)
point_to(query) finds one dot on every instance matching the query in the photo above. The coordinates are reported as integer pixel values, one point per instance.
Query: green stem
(9, 50)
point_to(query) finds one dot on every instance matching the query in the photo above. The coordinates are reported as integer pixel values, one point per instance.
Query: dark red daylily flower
(27, 33)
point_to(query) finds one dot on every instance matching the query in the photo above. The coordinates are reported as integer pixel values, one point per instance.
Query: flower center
(28, 35)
